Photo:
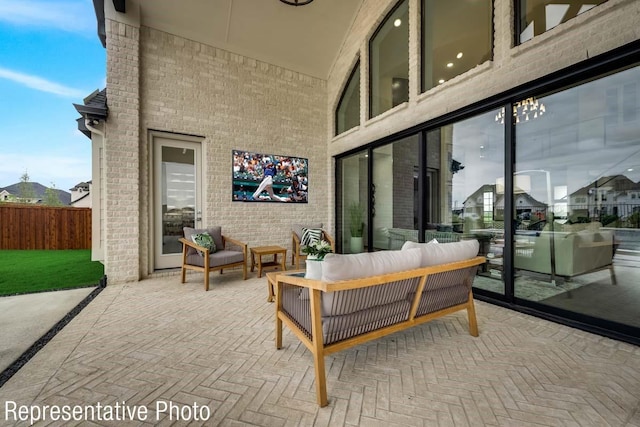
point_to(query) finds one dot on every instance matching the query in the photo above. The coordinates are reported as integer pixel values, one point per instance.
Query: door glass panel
(395, 194)
(577, 202)
(351, 226)
(467, 158)
(178, 193)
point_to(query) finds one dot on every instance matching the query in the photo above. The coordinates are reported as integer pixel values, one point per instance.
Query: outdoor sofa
(361, 297)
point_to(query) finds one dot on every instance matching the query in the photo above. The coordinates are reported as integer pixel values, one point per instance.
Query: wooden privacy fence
(44, 227)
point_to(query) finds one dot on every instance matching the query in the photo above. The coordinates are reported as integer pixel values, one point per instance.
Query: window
(348, 110)
(538, 16)
(456, 36)
(389, 61)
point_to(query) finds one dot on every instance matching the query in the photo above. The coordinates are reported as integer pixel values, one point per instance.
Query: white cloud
(38, 83)
(70, 16)
(63, 171)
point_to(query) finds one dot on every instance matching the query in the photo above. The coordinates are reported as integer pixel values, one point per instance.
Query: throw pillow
(310, 235)
(205, 240)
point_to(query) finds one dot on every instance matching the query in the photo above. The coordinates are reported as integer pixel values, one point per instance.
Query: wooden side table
(271, 282)
(259, 251)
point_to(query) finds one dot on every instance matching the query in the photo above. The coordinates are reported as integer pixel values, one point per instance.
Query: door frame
(195, 142)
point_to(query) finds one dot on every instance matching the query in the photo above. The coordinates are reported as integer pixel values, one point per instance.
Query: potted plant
(316, 252)
(356, 227)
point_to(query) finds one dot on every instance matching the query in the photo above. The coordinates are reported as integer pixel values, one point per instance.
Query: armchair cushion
(205, 240)
(297, 228)
(310, 236)
(215, 232)
(216, 259)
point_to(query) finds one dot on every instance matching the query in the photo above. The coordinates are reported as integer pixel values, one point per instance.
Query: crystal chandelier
(525, 110)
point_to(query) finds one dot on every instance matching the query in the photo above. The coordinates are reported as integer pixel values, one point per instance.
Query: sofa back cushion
(354, 266)
(433, 253)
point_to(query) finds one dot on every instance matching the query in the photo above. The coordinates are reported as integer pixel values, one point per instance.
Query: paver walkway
(157, 342)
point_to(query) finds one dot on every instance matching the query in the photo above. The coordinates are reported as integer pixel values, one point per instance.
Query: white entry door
(177, 183)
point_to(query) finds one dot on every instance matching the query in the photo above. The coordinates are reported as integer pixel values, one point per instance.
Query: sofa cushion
(215, 232)
(442, 253)
(354, 266)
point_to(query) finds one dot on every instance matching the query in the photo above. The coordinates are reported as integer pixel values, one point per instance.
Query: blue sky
(50, 58)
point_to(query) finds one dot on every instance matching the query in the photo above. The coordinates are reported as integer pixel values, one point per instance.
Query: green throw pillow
(205, 240)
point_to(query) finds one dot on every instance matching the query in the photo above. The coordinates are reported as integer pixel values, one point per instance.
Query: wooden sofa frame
(299, 305)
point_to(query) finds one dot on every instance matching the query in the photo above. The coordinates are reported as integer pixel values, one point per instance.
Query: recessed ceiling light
(441, 81)
(459, 55)
(397, 22)
(450, 64)
(630, 170)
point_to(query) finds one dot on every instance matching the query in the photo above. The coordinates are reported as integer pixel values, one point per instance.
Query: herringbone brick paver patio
(160, 341)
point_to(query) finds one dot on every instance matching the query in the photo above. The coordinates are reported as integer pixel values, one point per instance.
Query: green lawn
(34, 271)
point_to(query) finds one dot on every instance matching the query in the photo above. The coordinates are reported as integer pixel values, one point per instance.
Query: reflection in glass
(395, 193)
(538, 16)
(456, 36)
(389, 61)
(178, 195)
(348, 110)
(352, 172)
(472, 161)
(577, 243)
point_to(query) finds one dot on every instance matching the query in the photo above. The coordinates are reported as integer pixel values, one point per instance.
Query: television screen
(259, 177)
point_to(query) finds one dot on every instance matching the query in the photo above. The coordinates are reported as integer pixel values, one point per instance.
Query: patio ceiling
(304, 38)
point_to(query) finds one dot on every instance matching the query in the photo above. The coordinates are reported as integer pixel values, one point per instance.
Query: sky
(50, 58)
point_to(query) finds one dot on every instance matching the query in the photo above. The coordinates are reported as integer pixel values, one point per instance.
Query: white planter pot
(314, 268)
(356, 245)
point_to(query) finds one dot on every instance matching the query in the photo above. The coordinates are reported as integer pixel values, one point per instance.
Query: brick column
(122, 155)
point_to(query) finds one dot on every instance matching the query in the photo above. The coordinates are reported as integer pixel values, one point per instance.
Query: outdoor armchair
(296, 241)
(228, 253)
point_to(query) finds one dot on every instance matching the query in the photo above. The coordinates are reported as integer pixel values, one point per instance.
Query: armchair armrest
(193, 245)
(235, 242)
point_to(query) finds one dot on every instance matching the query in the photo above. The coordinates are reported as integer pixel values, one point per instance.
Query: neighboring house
(12, 192)
(81, 195)
(609, 195)
(5, 196)
(189, 82)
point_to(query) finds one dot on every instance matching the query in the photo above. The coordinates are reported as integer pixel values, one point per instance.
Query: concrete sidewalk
(24, 319)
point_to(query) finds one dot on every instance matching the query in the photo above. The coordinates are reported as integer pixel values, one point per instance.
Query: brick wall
(121, 155)
(161, 82)
(234, 102)
(599, 30)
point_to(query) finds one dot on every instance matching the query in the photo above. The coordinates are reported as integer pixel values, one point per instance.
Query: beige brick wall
(235, 102)
(121, 155)
(605, 27)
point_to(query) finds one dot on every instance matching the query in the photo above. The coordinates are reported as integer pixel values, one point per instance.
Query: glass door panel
(177, 201)
(577, 244)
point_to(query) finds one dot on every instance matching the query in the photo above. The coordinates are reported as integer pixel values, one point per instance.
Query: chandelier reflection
(525, 110)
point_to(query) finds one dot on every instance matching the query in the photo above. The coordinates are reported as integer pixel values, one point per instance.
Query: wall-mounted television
(259, 177)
